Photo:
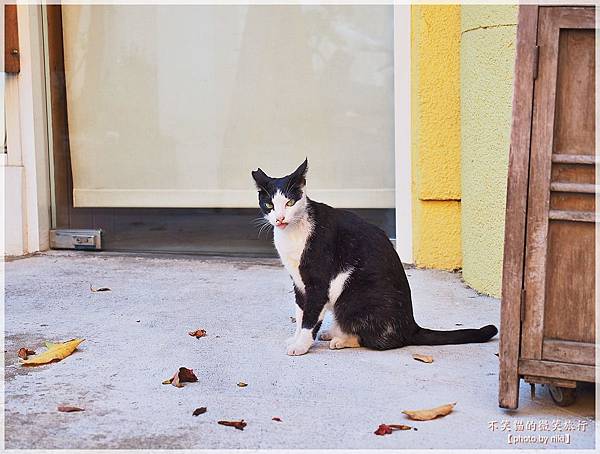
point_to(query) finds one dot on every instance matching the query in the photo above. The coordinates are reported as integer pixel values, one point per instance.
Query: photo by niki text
(544, 432)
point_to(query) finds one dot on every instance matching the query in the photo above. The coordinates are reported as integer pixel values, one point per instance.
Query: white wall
(26, 170)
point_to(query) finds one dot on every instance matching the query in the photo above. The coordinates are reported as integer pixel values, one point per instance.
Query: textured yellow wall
(487, 65)
(436, 141)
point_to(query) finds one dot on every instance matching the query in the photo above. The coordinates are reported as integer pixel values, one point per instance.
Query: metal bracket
(76, 239)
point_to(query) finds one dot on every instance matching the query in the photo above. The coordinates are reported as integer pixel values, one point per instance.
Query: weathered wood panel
(552, 369)
(12, 61)
(570, 352)
(542, 134)
(516, 207)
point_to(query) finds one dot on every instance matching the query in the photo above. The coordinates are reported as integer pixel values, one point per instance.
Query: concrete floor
(136, 336)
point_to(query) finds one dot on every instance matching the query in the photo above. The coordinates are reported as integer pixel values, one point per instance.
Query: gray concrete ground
(136, 336)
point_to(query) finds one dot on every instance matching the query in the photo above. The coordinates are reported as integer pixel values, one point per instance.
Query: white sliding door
(173, 106)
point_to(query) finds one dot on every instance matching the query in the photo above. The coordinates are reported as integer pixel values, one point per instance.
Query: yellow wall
(435, 105)
(487, 65)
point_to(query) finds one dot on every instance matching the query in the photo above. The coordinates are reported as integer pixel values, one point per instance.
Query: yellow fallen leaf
(55, 352)
(423, 358)
(432, 413)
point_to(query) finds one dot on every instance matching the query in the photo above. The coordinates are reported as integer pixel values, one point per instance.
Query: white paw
(297, 349)
(291, 340)
(336, 343)
(326, 335)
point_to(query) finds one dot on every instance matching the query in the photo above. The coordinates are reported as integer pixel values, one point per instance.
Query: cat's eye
(269, 205)
(290, 203)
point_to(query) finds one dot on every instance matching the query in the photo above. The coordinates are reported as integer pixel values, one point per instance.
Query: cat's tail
(425, 336)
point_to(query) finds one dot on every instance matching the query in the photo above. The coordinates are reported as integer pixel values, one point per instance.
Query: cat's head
(282, 200)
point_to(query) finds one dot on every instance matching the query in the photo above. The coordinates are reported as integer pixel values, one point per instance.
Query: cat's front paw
(290, 340)
(297, 349)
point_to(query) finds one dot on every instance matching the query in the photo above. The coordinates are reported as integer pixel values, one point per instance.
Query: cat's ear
(260, 178)
(299, 175)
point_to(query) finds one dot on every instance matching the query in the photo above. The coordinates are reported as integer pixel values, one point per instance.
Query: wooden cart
(547, 333)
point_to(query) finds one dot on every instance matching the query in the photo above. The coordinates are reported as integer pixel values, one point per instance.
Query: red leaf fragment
(198, 333)
(181, 376)
(99, 289)
(386, 429)
(199, 411)
(237, 424)
(68, 409)
(187, 375)
(383, 429)
(25, 352)
(276, 418)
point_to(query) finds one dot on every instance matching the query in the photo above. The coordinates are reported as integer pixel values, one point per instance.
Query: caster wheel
(563, 397)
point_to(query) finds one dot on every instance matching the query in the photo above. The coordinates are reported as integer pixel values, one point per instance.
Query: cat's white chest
(290, 244)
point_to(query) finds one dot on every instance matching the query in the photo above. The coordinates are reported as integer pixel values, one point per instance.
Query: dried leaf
(497, 354)
(181, 376)
(276, 418)
(423, 358)
(198, 333)
(293, 319)
(242, 384)
(199, 411)
(68, 409)
(25, 352)
(99, 289)
(187, 375)
(55, 352)
(386, 429)
(432, 413)
(237, 424)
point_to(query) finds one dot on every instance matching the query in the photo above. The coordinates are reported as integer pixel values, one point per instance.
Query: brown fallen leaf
(386, 429)
(242, 384)
(276, 418)
(293, 319)
(429, 414)
(181, 376)
(68, 409)
(99, 289)
(423, 358)
(237, 424)
(198, 333)
(199, 411)
(25, 352)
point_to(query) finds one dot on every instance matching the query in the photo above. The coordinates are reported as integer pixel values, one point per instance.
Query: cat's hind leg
(339, 339)
(344, 341)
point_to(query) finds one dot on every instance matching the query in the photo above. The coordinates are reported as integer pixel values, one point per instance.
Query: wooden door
(547, 314)
(559, 263)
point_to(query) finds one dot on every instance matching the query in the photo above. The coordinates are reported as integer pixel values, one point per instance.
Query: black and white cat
(343, 264)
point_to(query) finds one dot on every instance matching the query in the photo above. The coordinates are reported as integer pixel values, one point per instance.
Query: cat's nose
(280, 219)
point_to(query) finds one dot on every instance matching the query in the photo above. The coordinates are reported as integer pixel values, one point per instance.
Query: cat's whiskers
(264, 225)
